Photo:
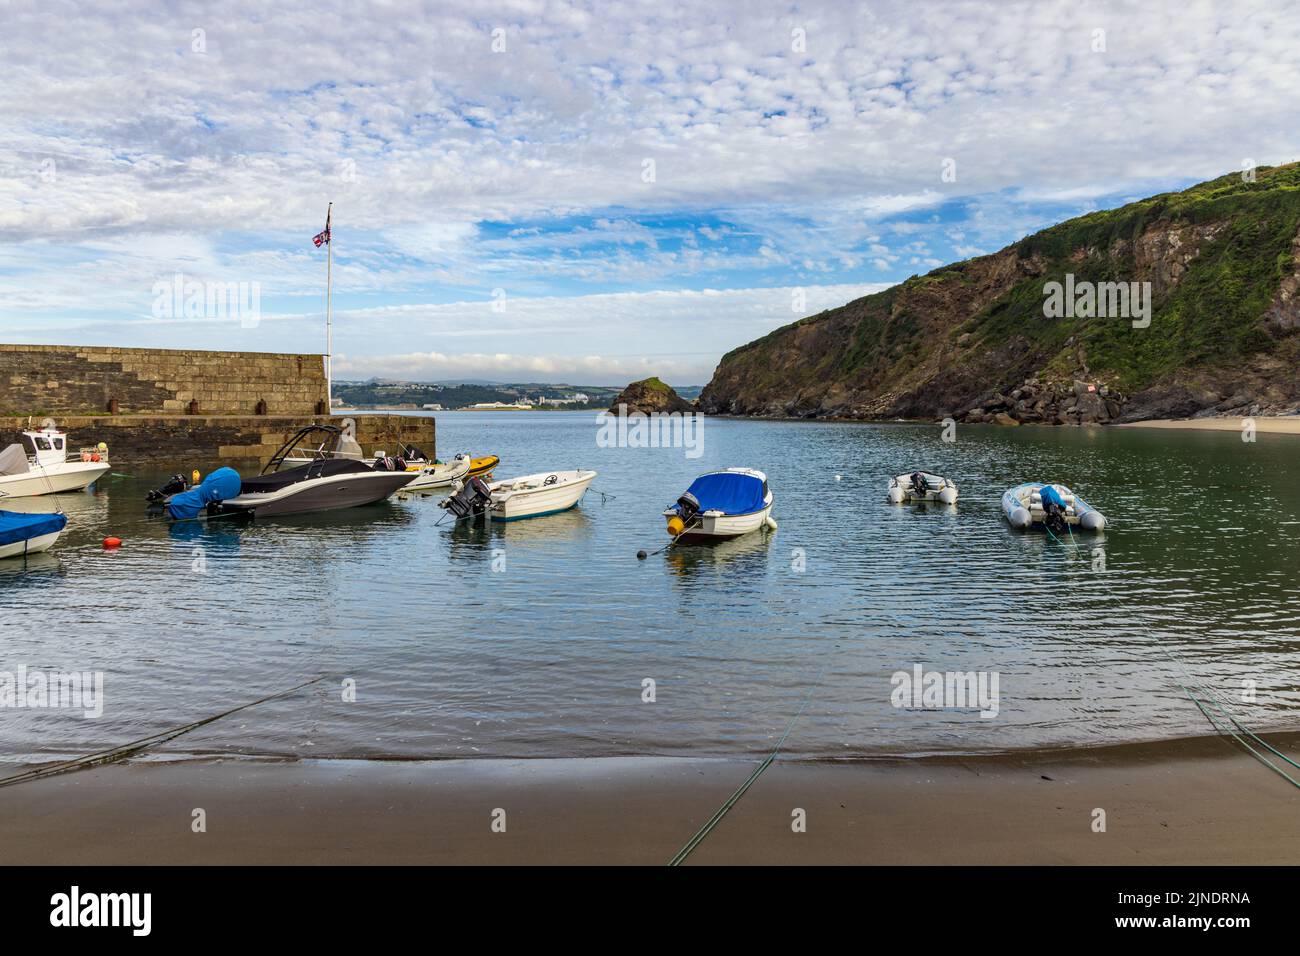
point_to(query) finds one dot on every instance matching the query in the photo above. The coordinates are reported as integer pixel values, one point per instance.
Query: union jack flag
(323, 237)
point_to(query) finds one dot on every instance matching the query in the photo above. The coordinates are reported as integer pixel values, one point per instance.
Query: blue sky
(583, 192)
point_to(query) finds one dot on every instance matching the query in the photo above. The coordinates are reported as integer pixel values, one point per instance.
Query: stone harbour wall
(185, 442)
(65, 380)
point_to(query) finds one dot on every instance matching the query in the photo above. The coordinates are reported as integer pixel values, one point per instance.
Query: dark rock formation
(648, 396)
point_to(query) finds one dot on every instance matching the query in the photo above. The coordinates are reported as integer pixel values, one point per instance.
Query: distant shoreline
(1271, 424)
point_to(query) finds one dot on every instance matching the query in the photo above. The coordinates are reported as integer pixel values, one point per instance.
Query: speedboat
(40, 464)
(922, 486)
(23, 533)
(1053, 507)
(722, 504)
(531, 496)
(483, 467)
(323, 484)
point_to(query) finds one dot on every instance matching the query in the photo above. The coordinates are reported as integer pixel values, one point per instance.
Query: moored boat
(39, 464)
(722, 504)
(529, 496)
(1051, 506)
(23, 533)
(437, 475)
(922, 486)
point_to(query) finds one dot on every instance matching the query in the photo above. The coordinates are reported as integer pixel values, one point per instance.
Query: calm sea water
(533, 639)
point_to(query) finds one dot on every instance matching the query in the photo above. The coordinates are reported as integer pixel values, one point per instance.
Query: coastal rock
(974, 335)
(649, 396)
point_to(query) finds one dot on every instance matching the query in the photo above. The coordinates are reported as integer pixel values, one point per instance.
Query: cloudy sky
(589, 191)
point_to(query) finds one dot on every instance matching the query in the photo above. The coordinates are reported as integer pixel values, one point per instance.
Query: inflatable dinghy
(1054, 507)
(922, 486)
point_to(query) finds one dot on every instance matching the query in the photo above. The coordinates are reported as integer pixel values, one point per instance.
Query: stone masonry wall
(62, 379)
(185, 442)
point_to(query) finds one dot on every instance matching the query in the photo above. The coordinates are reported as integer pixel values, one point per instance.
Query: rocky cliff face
(1220, 263)
(649, 396)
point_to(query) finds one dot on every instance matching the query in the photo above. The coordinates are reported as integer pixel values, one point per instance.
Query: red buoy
(112, 542)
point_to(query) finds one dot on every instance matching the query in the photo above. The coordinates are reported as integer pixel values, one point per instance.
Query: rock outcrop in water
(648, 396)
(972, 340)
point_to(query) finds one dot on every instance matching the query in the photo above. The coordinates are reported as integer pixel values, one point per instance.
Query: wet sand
(1278, 425)
(1198, 801)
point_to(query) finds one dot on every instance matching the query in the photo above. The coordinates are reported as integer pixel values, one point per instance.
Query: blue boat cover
(221, 484)
(729, 492)
(16, 526)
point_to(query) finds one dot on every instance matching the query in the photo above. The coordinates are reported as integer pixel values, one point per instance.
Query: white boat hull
(31, 546)
(730, 526)
(512, 502)
(439, 477)
(938, 489)
(73, 476)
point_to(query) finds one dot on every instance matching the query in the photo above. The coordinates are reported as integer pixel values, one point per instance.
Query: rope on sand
(125, 750)
(732, 800)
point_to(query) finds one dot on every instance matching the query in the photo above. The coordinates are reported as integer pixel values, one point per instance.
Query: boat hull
(724, 527)
(939, 490)
(74, 476)
(34, 545)
(541, 501)
(340, 491)
(438, 477)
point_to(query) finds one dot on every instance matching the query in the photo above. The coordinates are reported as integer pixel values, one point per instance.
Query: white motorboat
(1053, 507)
(722, 504)
(922, 486)
(24, 533)
(530, 496)
(40, 464)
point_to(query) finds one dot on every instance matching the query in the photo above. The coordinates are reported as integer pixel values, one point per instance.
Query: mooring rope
(125, 750)
(732, 800)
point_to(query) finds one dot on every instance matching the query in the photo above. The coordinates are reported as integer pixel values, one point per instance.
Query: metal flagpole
(329, 314)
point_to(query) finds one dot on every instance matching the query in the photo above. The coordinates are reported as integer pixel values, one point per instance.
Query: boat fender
(771, 523)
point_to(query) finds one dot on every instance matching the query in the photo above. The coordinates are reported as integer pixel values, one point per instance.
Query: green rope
(732, 800)
(125, 750)
(1259, 756)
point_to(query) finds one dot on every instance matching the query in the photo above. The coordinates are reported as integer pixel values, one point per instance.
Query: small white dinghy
(1052, 507)
(435, 476)
(530, 496)
(722, 504)
(22, 534)
(922, 486)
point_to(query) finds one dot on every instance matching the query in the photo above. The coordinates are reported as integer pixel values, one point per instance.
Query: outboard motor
(174, 485)
(473, 499)
(1053, 511)
(919, 487)
(688, 506)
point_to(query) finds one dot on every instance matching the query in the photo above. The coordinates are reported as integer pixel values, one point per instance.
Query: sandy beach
(1194, 801)
(1277, 425)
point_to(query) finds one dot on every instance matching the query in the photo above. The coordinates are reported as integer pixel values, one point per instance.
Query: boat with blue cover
(1051, 506)
(722, 504)
(22, 534)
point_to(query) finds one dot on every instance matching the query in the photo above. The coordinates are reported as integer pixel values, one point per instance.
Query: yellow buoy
(675, 526)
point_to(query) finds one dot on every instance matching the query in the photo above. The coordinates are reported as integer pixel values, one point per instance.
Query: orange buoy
(112, 542)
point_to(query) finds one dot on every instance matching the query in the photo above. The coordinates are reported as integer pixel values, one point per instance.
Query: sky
(579, 192)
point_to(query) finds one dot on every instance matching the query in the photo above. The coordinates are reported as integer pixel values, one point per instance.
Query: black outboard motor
(174, 486)
(472, 500)
(919, 488)
(688, 506)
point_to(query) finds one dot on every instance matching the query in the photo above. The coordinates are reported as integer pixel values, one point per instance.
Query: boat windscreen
(325, 468)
